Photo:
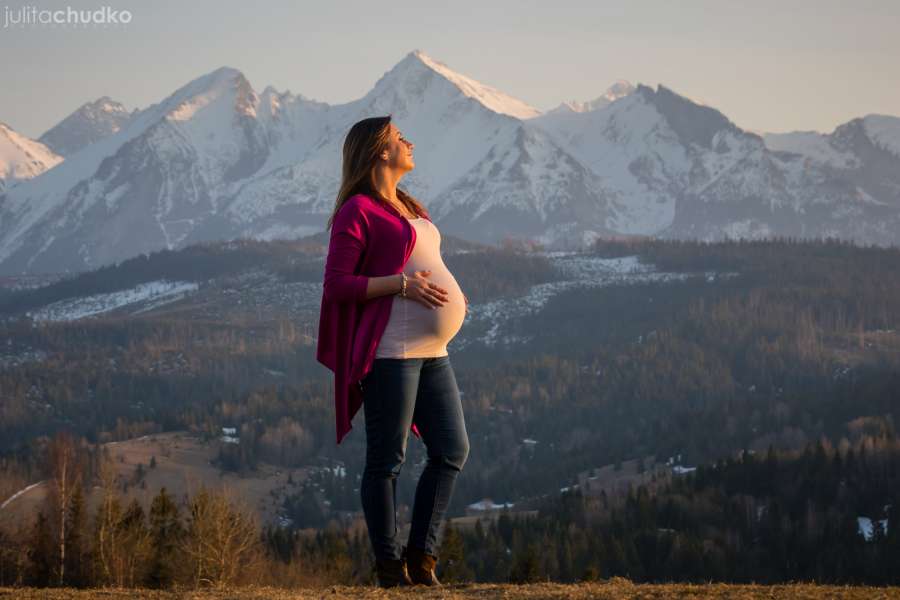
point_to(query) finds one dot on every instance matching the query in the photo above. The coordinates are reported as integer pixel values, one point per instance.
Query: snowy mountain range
(216, 160)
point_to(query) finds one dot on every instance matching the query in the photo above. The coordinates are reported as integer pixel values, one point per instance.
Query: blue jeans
(396, 393)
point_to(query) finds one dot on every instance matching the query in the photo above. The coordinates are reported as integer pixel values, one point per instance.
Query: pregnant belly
(430, 328)
(445, 320)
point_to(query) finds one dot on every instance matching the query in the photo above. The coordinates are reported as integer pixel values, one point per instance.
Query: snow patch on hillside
(811, 144)
(156, 292)
(581, 271)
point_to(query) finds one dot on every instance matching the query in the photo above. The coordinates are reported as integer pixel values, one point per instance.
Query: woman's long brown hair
(364, 142)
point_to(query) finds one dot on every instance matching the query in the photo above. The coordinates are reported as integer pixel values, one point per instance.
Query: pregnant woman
(389, 308)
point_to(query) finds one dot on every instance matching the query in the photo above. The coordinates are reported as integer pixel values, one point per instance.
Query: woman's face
(399, 151)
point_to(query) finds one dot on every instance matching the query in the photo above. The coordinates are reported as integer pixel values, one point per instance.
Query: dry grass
(617, 588)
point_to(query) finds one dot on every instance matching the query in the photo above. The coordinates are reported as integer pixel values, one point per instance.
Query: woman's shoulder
(360, 202)
(356, 207)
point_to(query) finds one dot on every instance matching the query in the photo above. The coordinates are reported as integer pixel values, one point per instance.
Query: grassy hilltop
(616, 588)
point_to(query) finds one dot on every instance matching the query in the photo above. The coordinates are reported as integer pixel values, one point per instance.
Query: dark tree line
(766, 518)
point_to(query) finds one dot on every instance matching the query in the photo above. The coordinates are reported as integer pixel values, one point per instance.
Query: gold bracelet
(403, 286)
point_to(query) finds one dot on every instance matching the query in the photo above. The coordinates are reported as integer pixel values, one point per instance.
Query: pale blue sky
(767, 65)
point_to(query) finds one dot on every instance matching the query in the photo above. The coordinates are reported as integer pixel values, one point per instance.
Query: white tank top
(414, 330)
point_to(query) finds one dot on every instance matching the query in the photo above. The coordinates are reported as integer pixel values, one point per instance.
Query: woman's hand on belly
(430, 294)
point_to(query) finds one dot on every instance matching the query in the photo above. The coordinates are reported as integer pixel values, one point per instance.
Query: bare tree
(66, 470)
(122, 540)
(222, 544)
(108, 514)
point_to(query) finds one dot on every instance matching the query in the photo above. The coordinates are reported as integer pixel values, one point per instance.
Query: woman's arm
(349, 238)
(382, 286)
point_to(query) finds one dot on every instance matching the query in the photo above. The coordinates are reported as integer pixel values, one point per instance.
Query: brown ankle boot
(420, 566)
(392, 573)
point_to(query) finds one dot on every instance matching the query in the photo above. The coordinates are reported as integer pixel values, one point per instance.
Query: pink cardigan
(368, 239)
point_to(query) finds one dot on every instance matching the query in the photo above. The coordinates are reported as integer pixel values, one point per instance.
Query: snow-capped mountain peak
(843, 147)
(188, 100)
(413, 73)
(884, 131)
(22, 158)
(693, 121)
(92, 121)
(619, 89)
